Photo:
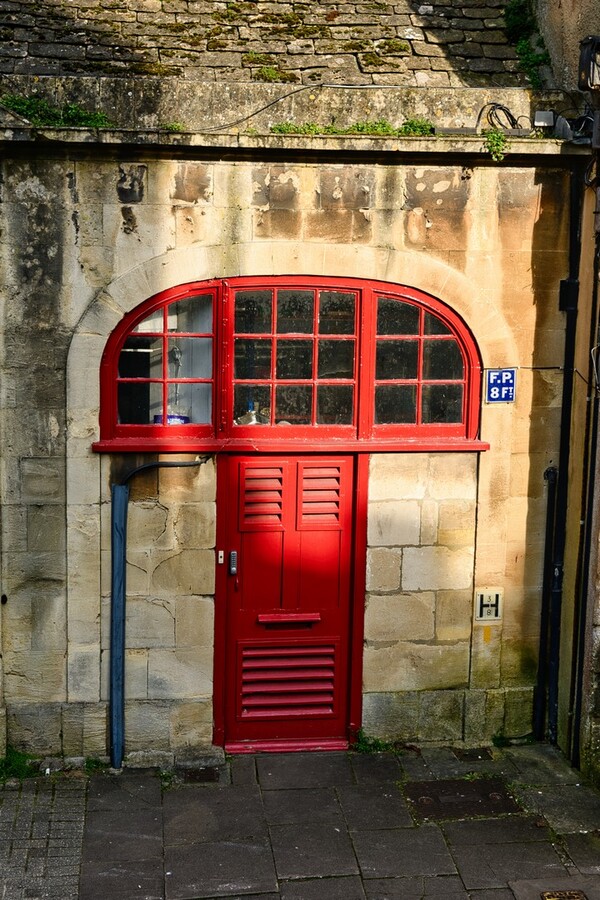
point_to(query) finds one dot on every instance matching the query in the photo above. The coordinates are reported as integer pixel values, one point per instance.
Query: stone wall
(564, 25)
(489, 241)
(405, 42)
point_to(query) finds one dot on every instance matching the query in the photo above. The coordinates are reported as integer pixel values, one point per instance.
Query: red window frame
(363, 434)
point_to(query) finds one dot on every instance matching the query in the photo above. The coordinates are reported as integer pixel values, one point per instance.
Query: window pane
(153, 322)
(293, 405)
(442, 359)
(294, 359)
(397, 359)
(194, 314)
(295, 312)
(252, 404)
(252, 358)
(336, 359)
(139, 402)
(395, 317)
(336, 313)
(253, 312)
(395, 403)
(189, 403)
(442, 403)
(335, 404)
(141, 357)
(190, 357)
(433, 325)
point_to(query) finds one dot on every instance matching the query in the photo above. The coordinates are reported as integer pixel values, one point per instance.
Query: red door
(287, 586)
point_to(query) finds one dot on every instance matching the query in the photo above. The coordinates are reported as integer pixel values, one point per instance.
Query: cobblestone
(41, 835)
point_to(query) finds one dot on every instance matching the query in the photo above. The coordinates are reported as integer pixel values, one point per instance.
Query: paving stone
(304, 770)
(458, 798)
(567, 808)
(588, 888)
(197, 814)
(219, 869)
(367, 807)
(323, 889)
(318, 806)
(312, 851)
(373, 768)
(122, 792)
(116, 836)
(493, 865)
(126, 880)
(584, 850)
(403, 851)
(446, 887)
(505, 830)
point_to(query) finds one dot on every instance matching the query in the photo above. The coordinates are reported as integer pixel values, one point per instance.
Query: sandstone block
(453, 615)
(194, 622)
(187, 572)
(188, 484)
(148, 526)
(415, 667)
(147, 725)
(441, 716)
(437, 568)
(391, 716)
(400, 617)
(46, 529)
(35, 727)
(191, 726)
(394, 523)
(42, 480)
(150, 623)
(83, 477)
(34, 676)
(84, 673)
(453, 476)
(398, 476)
(383, 568)
(518, 712)
(195, 525)
(181, 673)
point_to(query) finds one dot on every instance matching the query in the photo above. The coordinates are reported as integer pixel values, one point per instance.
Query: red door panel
(288, 605)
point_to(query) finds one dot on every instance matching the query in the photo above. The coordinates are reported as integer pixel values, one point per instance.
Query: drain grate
(457, 798)
(563, 895)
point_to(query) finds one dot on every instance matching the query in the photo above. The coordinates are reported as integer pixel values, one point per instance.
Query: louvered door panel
(319, 496)
(280, 681)
(261, 497)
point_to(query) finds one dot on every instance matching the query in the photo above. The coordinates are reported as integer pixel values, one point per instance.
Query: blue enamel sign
(500, 385)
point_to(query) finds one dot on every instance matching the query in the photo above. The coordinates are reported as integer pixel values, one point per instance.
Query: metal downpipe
(118, 545)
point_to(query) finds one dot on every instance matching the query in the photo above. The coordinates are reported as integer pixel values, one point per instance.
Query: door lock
(233, 562)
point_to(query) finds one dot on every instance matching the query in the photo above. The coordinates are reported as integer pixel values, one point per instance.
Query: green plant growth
(273, 74)
(252, 58)
(521, 31)
(173, 127)
(495, 142)
(17, 765)
(364, 743)
(532, 59)
(417, 127)
(92, 765)
(41, 113)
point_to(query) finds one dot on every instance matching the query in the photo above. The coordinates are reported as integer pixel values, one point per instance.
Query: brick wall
(458, 42)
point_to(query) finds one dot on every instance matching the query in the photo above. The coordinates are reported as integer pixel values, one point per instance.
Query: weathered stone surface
(191, 726)
(185, 672)
(392, 523)
(407, 666)
(383, 568)
(400, 617)
(432, 568)
(186, 572)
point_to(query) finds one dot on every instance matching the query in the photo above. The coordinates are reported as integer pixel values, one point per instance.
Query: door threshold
(282, 746)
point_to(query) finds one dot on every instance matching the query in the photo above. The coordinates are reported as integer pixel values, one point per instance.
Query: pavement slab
(307, 826)
(403, 851)
(312, 851)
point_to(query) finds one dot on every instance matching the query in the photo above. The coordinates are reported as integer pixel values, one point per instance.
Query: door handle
(233, 562)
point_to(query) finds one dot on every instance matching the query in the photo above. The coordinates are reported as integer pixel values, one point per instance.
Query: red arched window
(274, 362)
